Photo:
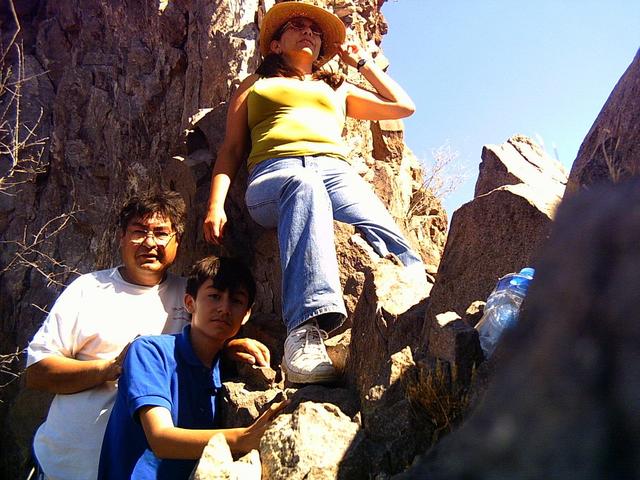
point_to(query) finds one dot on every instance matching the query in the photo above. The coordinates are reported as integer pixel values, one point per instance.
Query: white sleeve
(56, 336)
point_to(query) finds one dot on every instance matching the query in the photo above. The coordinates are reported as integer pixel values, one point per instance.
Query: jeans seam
(261, 204)
(319, 311)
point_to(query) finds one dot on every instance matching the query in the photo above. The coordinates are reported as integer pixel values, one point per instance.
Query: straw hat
(332, 27)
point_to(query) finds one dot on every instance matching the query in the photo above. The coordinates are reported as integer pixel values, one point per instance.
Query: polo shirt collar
(185, 349)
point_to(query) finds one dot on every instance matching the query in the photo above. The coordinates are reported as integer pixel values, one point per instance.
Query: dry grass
(441, 395)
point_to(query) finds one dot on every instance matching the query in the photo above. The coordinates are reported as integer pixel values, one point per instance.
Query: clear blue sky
(480, 71)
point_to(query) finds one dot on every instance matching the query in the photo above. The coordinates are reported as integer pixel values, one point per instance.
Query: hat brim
(333, 30)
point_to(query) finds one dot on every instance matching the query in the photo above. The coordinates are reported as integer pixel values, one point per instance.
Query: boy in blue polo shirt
(165, 412)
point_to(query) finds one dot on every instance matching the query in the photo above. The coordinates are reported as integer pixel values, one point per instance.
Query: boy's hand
(249, 351)
(250, 439)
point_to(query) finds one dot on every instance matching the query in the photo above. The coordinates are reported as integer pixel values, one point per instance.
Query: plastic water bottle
(502, 307)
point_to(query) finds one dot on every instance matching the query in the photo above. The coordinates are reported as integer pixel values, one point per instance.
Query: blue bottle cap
(528, 272)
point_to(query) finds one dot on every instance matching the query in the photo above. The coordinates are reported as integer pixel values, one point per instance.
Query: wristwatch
(361, 63)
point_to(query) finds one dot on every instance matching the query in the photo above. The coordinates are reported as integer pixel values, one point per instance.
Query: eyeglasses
(160, 237)
(300, 24)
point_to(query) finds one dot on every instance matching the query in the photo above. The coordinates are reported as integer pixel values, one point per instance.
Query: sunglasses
(300, 24)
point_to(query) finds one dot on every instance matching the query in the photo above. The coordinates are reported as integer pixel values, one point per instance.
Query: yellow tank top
(289, 117)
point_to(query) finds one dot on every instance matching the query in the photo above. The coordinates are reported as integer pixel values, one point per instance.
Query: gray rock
(262, 378)
(520, 160)
(217, 463)
(343, 398)
(394, 431)
(502, 228)
(122, 91)
(309, 444)
(240, 406)
(474, 312)
(565, 396)
(452, 339)
(610, 151)
(497, 233)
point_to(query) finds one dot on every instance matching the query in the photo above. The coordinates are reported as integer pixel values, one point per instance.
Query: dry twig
(9, 371)
(438, 180)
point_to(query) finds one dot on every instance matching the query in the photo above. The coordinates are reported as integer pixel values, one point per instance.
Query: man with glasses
(78, 352)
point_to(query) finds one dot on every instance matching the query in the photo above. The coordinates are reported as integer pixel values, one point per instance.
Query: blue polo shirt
(162, 371)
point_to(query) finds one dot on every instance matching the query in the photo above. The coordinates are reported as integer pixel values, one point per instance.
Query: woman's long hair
(274, 65)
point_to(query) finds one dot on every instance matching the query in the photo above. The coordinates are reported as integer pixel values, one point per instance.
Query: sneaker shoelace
(312, 337)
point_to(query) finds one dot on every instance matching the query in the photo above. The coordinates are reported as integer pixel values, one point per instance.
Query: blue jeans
(301, 196)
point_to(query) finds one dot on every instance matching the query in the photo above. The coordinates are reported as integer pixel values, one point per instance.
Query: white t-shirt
(95, 317)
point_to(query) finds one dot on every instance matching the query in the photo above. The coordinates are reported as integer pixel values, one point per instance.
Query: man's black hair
(226, 274)
(167, 203)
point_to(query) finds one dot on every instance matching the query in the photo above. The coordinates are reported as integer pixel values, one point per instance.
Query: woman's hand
(231, 154)
(387, 101)
(214, 225)
(350, 53)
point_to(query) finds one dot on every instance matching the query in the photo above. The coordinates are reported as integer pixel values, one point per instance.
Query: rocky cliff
(111, 97)
(122, 96)
(610, 153)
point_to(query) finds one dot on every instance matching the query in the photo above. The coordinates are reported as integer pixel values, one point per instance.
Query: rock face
(502, 228)
(564, 402)
(133, 94)
(217, 463)
(309, 444)
(611, 150)
(500, 231)
(520, 160)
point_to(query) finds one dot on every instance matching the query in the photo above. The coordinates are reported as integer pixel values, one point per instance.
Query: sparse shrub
(440, 178)
(21, 148)
(21, 161)
(439, 393)
(9, 368)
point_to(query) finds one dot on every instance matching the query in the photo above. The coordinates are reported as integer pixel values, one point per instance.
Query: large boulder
(611, 150)
(216, 463)
(520, 160)
(309, 443)
(564, 400)
(502, 229)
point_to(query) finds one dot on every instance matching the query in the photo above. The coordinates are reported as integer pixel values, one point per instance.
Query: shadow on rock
(564, 400)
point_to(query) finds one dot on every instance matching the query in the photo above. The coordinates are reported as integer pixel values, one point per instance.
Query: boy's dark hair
(225, 273)
(167, 203)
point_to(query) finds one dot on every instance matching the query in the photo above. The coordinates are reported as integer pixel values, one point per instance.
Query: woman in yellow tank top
(291, 114)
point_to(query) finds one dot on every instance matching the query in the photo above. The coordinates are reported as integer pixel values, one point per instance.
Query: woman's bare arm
(389, 101)
(230, 156)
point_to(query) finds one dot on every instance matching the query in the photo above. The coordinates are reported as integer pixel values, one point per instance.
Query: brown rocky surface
(217, 463)
(520, 160)
(564, 398)
(133, 94)
(502, 229)
(496, 233)
(309, 443)
(611, 150)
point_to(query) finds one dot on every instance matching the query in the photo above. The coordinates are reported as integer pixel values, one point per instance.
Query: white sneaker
(305, 356)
